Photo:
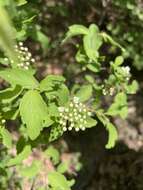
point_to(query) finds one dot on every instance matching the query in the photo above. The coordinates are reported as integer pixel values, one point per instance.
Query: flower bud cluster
(74, 116)
(126, 71)
(24, 56)
(110, 91)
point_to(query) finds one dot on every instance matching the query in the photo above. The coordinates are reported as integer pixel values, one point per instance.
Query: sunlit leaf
(33, 111)
(19, 77)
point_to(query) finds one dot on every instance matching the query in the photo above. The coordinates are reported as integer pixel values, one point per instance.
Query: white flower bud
(64, 123)
(70, 128)
(81, 120)
(76, 129)
(61, 114)
(26, 49)
(33, 60)
(71, 119)
(64, 129)
(70, 114)
(5, 59)
(89, 113)
(27, 63)
(75, 114)
(79, 116)
(72, 125)
(71, 104)
(84, 117)
(61, 109)
(65, 117)
(76, 99)
(21, 43)
(26, 68)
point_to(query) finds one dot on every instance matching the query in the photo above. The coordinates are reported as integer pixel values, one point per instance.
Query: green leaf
(51, 82)
(19, 77)
(63, 95)
(57, 180)
(33, 111)
(43, 39)
(31, 171)
(109, 39)
(53, 110)
(52, 153)
(76, 30)
(21, 2)
(8, 95)
(20, 157)
(6, 137)
(11, 114)
(113, 135)
(90, 122)
(92, 42)
(119, 60)
(63, 167)
(56, 132)
(84, 93)
(133, 87)
(119, 107)
(89, 78)
(93, 67)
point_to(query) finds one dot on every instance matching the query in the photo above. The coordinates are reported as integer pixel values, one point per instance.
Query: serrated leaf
(19, 77)
(33, 111)
(20, 157)
(92, 42)
(6, 137)
(84, 93)
(75, 30)
(58, 180)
